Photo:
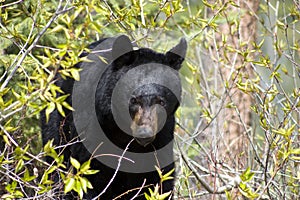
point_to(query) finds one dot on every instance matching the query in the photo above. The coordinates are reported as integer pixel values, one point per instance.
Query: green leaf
(75, 74)
(285, 132)
(164, 195)
(78, 188)
(62, 98)
(167, 176)
(58, 28)
(66, 105)
(27, 176)
(6, 140)
(49, 110)
(48, 146)
(75, 163)
(83, 182)
(85, 166)
(247, 192)
(69, 185)
(295, 151)
(20, 165)
(18, 194)
(247, 175)
(90, 172)
(60, 109)
(89, 185)
(51, 169)
(228, 195)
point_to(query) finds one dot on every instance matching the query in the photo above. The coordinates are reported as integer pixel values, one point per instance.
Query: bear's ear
(176, 55)
(121, 46)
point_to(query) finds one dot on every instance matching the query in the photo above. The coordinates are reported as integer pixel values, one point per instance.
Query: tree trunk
(235, 117)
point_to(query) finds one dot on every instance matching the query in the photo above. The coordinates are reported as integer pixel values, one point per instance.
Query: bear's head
(142, 88)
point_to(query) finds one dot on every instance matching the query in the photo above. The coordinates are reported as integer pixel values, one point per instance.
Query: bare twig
(233, 183)
(11, 4)
(116, 171)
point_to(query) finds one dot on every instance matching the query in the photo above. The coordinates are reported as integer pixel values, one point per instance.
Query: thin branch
(11, 4)
(233, 183)
(116, 171)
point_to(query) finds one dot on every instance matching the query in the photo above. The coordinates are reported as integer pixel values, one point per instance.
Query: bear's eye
(133, 100)
(161, 101)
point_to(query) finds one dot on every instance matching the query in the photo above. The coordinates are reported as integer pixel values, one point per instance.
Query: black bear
(124, 117)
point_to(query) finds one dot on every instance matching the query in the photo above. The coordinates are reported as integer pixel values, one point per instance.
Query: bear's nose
(144, 141)
(144, 135)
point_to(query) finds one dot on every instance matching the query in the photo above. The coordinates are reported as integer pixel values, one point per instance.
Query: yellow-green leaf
(75, 163)
(49, 109)
(75, 74)
(69, 185)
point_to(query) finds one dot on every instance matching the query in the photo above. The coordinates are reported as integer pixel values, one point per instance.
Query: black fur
(62, 129)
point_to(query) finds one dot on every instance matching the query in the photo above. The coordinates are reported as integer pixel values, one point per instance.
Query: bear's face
(147, 106)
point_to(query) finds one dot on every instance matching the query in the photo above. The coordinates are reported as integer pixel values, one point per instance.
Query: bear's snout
(144, 135)
(144, 125)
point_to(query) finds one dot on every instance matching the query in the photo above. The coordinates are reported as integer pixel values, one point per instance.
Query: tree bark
(235, 116)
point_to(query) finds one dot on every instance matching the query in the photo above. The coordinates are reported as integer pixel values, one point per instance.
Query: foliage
(76, 182)
(156, 194)
(42, 38)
